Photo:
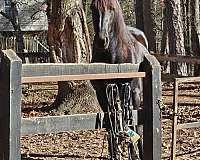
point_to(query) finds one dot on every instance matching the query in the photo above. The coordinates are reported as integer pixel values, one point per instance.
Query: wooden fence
(32, 42)
(176, 126)
(44, 56)
(177, 58)
(13, 74)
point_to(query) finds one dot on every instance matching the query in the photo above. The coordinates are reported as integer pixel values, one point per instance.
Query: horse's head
(103, 13)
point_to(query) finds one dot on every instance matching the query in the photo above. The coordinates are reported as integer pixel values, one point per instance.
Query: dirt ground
(92, 145)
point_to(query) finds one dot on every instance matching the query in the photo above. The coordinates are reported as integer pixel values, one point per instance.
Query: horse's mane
(103, 5)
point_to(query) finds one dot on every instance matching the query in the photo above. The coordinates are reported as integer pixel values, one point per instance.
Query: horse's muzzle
(104, 38)
(106, 42)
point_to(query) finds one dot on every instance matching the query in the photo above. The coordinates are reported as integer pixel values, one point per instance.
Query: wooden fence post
(10, 105)
(152, 119)
(175, 118)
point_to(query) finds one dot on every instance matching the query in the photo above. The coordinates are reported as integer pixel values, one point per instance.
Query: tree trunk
(186, 25)
(164, 33)
(164, 49)
(185, 10)
(149, 23)
(14, 19)
(139, 14)
(175, 34)
(69, 42)
(16, 25)
(195, 46)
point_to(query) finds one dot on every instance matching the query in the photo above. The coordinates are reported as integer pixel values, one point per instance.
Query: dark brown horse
(115, 43)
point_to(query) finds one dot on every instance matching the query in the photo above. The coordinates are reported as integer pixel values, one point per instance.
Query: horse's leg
(137, 98)
(100, 88)
(136, 85)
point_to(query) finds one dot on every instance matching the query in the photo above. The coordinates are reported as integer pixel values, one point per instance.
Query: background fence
(33, 42)
(175, 126)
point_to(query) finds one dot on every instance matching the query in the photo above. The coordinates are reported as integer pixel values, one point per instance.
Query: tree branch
(5, 15)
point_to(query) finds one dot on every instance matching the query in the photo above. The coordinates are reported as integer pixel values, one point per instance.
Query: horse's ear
(93, 4)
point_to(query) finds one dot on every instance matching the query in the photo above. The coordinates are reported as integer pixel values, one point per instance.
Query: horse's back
(139, 35)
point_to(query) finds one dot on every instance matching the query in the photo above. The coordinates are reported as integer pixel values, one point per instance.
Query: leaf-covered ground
(93, 144)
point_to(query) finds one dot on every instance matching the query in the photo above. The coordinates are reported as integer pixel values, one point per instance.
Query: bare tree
(13, 17)
(139, 14)
(185, 7)
(69, 42)
(149, 23)
(175, 35)
(195, 46)
(164, 39)
(164, 48)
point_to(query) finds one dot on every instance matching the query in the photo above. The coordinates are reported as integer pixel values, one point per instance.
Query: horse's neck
(117, 46)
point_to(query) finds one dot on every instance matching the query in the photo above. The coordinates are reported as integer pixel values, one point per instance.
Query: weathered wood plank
(10, 106)
(82, 77)
(152, 96)
(55, 124)
(183, 59)
(188, 79)
(53, 69)
(188, 125)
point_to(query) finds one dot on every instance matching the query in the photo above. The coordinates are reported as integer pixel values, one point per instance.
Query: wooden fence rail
(13, 74)
(160, 57)
(177, 58)
(55, 124)
(61, 72)
(35, 57)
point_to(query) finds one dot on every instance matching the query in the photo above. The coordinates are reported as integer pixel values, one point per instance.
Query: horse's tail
(139, 35)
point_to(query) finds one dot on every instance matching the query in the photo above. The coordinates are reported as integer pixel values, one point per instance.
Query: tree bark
(195, 46)
(149, 23)
(69, 42)
(139, 14)
(175, 35)
(164, 49)
(186, 25)
(185, 10)
(164, 34)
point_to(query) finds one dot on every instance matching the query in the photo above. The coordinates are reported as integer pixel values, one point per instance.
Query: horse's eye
(112, 8)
